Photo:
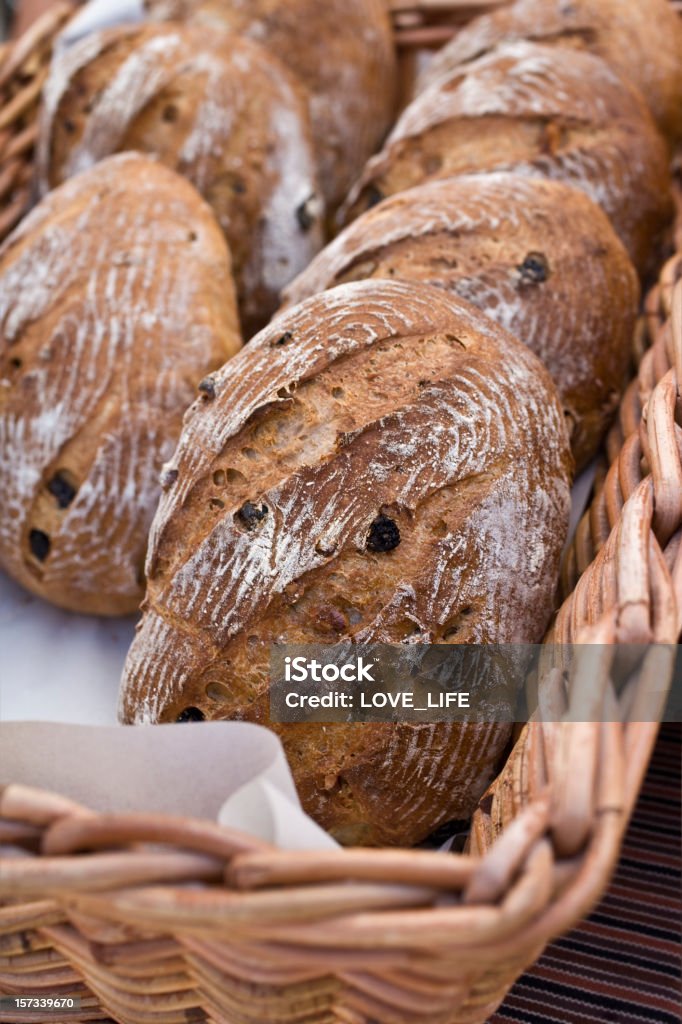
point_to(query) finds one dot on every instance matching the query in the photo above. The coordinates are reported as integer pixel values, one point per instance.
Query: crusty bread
(218, 109)
(374, 399)
(341, 50)
(642, 41)
(541, 111)
(116, 298)
(537, 256)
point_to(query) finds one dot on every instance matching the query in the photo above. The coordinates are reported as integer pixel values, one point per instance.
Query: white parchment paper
(231, 772)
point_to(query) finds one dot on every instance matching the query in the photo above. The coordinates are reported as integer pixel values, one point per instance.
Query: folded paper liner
(231, 772)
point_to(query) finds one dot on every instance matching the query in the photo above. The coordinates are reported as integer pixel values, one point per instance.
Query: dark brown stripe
(622, 965)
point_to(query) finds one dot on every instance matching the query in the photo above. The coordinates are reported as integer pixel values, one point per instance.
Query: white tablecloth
(55, 666)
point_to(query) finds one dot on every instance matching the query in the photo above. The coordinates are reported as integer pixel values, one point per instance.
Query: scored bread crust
(541, 111)
(537, 256)
(341, 50)
(641, 41)
(218, 109)
(375, 398)
(116, 298)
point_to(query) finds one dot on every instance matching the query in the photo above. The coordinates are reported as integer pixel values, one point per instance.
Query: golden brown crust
(641, 41)
(219, 110)
(341, 50)
(116, 298)
(376, 398)
(537, 256)
(544, 112)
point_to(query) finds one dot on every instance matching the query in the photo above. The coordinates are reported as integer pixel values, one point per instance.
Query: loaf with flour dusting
(642, 41)
(218, 109)
(537, 256)
(542, 111)
(382, 463)
(342, 52)
(116, 299)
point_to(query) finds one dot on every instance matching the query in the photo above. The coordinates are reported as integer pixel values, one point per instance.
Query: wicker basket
(99, 905)
(23, 69)
(633, 436)
(431, 23)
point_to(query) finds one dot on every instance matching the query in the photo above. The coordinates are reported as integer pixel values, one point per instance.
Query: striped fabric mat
(623, 965)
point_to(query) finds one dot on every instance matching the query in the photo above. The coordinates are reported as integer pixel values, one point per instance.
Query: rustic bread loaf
(541, 111)
(218, 109)
(641, 41)
(341, 50)
(116, 298)
(537, 256)
(382, 463)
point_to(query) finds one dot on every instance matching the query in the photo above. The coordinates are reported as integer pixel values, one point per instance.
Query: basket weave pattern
(160, 919)
(646, 438)
(23, 69)
(431, 23)
(264, 935)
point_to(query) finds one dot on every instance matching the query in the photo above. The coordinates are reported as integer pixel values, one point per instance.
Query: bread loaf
(641, 41)
(537, 256)
(116, 298)
(541, 111)
(342, 52)
(378, 409)
(218, 109)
